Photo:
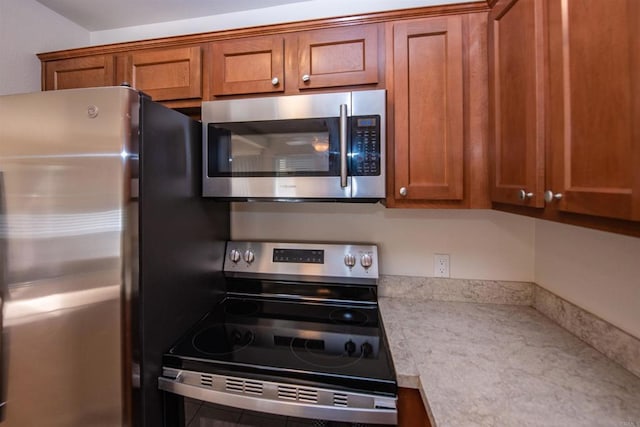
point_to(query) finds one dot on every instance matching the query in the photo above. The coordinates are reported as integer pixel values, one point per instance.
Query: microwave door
(278, 159)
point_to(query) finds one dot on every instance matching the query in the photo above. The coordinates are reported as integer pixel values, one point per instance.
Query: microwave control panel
(365, 145)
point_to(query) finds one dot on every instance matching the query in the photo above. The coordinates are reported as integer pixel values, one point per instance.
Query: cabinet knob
(523, 195)
(403, 191)
(306, 78)
(550, 196)
(275, 81)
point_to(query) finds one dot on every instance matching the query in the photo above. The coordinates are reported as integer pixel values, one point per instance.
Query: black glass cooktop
(339, 344)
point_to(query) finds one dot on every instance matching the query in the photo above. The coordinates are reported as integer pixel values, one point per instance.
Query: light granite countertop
(504, 365)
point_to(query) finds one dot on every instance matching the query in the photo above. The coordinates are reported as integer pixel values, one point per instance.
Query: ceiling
(96, 15)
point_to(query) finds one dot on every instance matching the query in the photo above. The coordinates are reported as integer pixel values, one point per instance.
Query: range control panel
(302, 259)
(303, 256)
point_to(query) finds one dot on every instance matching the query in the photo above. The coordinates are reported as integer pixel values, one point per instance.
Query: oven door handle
(343, 145)
(267, 400)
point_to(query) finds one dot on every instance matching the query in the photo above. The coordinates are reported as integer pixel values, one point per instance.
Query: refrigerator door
(64, 160)
(181, 250)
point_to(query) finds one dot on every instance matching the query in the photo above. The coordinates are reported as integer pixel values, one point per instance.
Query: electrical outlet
(441, 265)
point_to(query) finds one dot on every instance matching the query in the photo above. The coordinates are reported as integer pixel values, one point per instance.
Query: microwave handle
(343, 145)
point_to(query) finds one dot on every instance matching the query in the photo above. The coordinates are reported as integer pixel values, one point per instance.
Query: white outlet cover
(441, 265)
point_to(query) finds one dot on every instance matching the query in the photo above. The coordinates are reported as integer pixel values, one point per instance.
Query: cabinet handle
(306, 78)
(523, 195)
(550, 196)
(275, 81)
(403, 191)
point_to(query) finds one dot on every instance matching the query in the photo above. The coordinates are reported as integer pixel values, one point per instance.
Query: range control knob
(366, 349)
(236, 337)
(349, 260)
(366, 260)
(350, 347)
(234, 255)
(249, 256)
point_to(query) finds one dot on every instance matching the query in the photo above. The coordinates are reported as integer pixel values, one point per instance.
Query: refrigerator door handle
(4, 230)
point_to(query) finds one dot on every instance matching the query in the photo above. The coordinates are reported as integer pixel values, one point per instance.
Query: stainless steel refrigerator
(108, 253)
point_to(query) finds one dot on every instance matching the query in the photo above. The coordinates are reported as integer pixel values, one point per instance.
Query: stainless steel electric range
(298, 333)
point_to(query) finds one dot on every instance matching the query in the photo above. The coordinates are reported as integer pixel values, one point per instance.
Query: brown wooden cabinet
(565, 109)
(338, 57)
(428, 109)
(439, 133)
(165, 74)
(411, 410)
(516, 108)
(253, 65)
(84, 71)
(594, 107)
(291, 63)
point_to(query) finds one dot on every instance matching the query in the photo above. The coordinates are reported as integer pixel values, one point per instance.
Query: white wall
(304, 10)
(482, 244)
(595, 270)
(27, 28)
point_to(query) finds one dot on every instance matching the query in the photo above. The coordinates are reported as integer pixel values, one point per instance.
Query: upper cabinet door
(338, 57)
(594, 70)
(254, 65)
(428, 109)
(516, 102)
(87, 71)
(166, 74)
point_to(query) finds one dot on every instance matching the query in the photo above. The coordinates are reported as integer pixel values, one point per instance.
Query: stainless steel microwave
(302, 147)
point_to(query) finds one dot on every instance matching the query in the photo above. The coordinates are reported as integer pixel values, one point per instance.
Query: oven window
(304, 147)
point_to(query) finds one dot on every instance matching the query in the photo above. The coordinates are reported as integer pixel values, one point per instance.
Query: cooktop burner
(349, 316)
(306, 351)
(331, 342)
(215, 340)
